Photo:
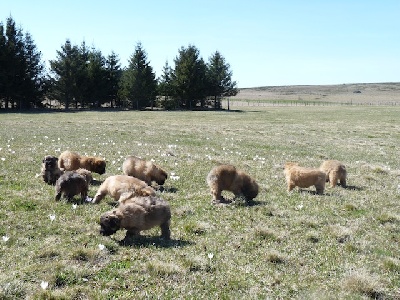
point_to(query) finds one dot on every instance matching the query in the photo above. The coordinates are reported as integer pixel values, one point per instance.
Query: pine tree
(219, 78)
(139, 83)
(35, 76)
(113, 77)
(3, 61)
(97, 78)
(189, 78)
(15, 64)
(165, 88)
(64, 71)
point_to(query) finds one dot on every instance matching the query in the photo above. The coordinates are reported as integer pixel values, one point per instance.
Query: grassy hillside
(343, 244)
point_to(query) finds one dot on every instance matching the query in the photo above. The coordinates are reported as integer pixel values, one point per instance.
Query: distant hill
(377, 93)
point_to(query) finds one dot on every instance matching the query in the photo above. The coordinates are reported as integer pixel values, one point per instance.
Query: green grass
(344, 244)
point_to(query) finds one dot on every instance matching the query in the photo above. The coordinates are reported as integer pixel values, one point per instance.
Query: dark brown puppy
(71, 184)
(228, 178)
(50, 171)
(144, 170)
(335, 171)
(85, 173)
(136, 214)
(123, 185)
(70, 161)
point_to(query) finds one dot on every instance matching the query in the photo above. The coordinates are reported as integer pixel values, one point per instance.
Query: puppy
(335, 171)
(227, 177)
(144, 170)
(70, 161)
(85, 173)
(136, 214)
(71, 184)
(304, 177)
(123, 185)
(50, 171)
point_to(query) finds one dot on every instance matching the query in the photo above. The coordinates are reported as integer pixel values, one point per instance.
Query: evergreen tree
(113, 77)
(219, 78)
(139, 83)
(97, 78)
(35, 85)
(3, 61)
(64, 70)
(14, 65)
(189, 78)
(165, 88)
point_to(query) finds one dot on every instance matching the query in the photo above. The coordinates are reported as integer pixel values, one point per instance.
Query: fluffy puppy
(227, 177)
(144, 170)
(70, 184)
(304, 177)
(123, 185)
(335, 171)
(136, 214)
(85, 173)
(70, 161)
(50, 171)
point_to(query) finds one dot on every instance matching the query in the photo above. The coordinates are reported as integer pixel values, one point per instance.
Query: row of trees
(81, 77)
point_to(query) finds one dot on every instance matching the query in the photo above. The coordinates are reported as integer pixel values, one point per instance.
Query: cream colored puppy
(144, 170)
(136, 214)
(335, 171)
(304, 177)
(121, 187)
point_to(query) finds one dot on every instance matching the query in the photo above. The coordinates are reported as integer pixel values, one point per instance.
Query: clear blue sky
(265, 42)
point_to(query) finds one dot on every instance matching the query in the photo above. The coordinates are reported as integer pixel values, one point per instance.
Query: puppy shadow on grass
(96, 182)
(166, 189)
(353, 188)
(146, 241)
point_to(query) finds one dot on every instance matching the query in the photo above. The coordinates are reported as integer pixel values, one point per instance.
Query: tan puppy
(50, 171)
(123, 185)
(335, 171)
(136, 214)
(70, 161)
(304, 177)
(144, 170)
(70, 184)
(227, 177)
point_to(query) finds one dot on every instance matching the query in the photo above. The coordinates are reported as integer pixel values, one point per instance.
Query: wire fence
(227, 103)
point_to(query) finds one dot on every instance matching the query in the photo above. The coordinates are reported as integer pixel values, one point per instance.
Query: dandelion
(101, 247)
(44, 285)
(5, 238)
(52, 217)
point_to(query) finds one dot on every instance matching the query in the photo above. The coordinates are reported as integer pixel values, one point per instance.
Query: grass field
(344, 244)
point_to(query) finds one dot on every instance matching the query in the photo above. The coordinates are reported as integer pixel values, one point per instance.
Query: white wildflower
(3, 159)
(88, 199)
(102, 247)
(44, 285)
(210, 255)
(74, 206)
(52, 217)
(5, 238)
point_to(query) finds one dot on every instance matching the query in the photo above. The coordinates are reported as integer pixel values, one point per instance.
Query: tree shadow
(146, 241)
